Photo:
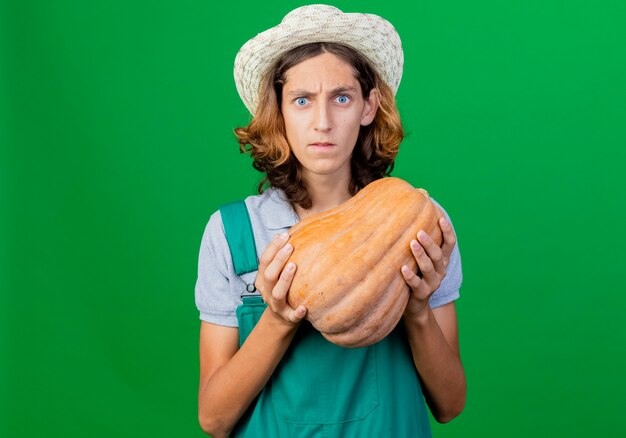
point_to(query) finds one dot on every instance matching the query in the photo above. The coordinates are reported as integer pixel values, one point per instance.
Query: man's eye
(300, 101)
(343, 99)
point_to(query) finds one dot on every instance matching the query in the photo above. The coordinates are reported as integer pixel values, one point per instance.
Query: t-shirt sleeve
(213, 293)
(448, 290)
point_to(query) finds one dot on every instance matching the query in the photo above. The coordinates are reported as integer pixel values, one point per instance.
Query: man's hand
(432, 261)
(274, 279)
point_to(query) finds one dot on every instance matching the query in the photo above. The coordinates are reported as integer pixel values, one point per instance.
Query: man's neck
(326, 192)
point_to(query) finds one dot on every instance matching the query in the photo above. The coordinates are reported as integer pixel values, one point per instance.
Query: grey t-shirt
(218, 288)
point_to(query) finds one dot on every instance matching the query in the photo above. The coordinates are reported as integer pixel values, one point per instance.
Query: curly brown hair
(376, 147)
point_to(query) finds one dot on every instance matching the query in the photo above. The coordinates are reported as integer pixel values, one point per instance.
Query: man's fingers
(449, 238)
(273, 270)
(272, 249)
(410, 277)
(423, 261)
(296, 315)
(435, 253)
(279, 293)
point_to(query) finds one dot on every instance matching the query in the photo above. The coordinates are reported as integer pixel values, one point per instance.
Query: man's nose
(322, 121)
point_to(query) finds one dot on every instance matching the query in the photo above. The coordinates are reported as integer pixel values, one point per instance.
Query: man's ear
(371, 107)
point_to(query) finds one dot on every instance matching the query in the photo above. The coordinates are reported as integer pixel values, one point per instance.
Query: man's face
(323, 109)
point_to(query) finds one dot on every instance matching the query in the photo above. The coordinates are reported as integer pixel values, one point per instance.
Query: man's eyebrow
(344, 89)
(299, 92)
(341, 89)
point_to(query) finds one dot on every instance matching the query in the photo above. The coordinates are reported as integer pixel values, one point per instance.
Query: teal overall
(320, 389)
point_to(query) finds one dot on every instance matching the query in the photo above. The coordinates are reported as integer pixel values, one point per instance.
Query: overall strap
(240, 238)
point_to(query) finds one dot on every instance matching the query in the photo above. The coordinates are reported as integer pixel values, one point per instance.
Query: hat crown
(311, 10)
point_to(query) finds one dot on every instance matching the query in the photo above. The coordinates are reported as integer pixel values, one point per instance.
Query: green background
(116, 139)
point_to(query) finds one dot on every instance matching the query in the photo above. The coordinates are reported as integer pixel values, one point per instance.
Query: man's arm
(433, 334)
(228, 382)
(434, 341)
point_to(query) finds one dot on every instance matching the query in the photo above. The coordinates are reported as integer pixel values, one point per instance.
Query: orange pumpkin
(349, 261)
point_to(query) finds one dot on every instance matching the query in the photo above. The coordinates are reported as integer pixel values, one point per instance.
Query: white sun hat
(371, 35)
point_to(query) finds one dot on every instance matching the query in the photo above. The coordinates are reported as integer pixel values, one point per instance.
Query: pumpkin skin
(349, 261)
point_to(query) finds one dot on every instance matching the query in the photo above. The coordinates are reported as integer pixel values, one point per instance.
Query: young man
(321, 87)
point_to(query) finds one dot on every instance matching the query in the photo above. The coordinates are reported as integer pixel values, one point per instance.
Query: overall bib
(320, 389)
